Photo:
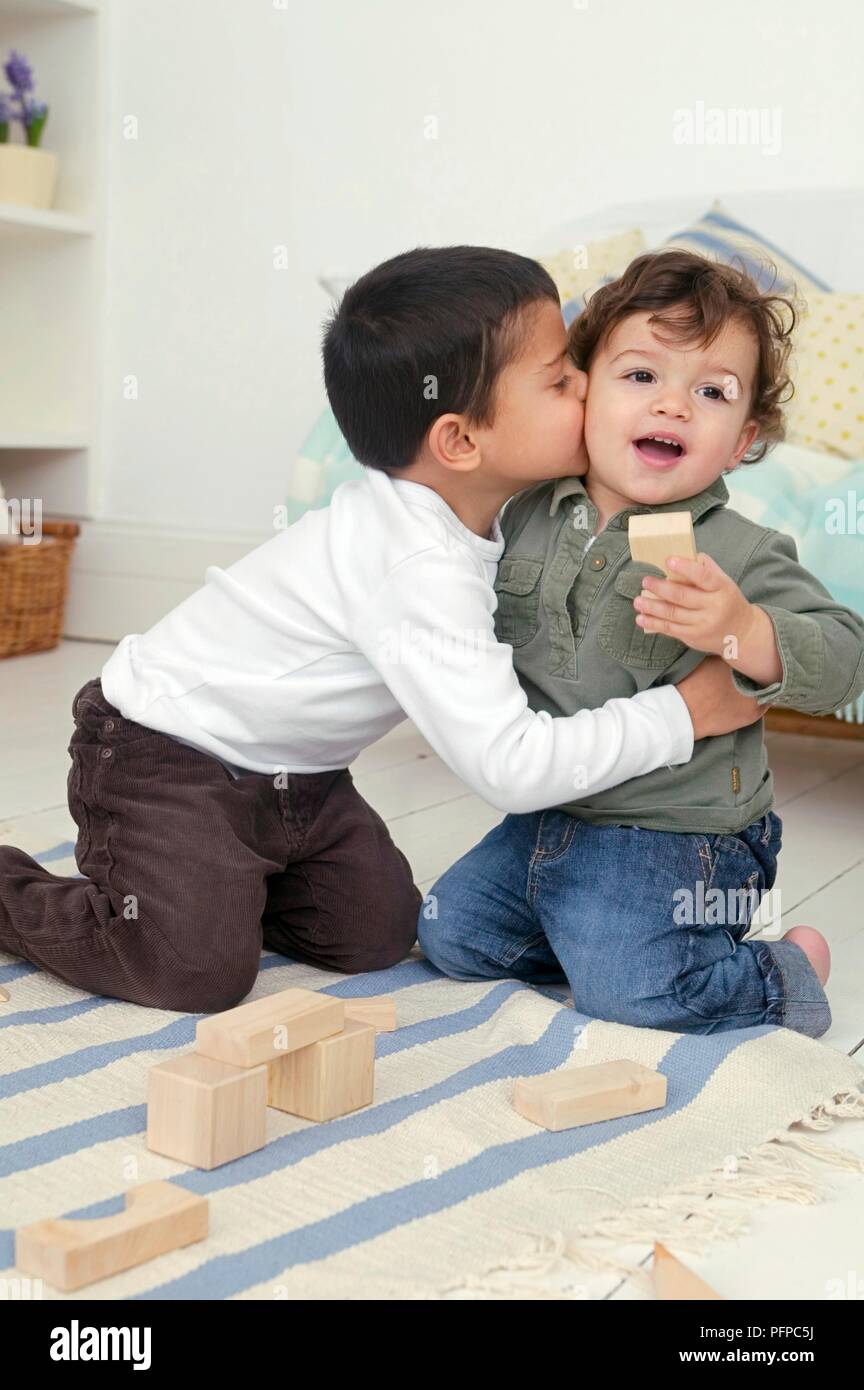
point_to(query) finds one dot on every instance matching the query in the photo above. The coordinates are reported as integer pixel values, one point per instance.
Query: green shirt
(565, 605)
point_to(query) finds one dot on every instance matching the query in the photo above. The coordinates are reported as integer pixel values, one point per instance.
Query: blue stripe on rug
(53, 1144)
(61, 851)
(29, 1153)
(58, 1013)
(686, 1066)
(689, 1063)
(179, 1032)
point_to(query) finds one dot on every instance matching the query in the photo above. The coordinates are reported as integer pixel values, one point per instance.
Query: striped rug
(437, 1190)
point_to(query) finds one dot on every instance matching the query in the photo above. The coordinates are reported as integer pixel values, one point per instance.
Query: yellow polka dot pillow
(579, 270)
(827, 369)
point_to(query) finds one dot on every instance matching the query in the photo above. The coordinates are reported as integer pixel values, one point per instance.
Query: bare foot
(815, 948)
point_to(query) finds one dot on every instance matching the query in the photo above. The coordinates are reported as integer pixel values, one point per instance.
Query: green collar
(717, 495)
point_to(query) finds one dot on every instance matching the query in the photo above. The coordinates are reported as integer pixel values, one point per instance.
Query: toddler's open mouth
(659, 450)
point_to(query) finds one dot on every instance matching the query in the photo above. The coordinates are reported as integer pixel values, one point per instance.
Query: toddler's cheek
(592, 432)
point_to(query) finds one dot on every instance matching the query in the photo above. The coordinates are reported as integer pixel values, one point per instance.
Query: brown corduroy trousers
(189, 871)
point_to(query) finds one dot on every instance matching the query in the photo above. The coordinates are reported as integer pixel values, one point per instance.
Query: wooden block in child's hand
(655, 535)
(584, 1095)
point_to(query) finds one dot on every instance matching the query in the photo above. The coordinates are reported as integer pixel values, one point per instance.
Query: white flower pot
(27, 175)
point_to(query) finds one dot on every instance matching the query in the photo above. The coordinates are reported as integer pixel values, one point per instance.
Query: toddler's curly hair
(692, 298)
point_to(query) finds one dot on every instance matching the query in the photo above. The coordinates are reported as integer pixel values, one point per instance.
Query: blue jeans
(646, 926)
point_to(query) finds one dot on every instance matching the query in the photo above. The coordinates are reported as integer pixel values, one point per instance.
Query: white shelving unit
(52, 266)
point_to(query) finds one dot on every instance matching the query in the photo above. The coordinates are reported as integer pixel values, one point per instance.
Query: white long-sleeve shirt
(381, 605)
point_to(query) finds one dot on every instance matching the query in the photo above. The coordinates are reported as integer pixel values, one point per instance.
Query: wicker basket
(33, 584)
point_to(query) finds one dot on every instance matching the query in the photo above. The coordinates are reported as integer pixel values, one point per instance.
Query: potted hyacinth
(27, 174)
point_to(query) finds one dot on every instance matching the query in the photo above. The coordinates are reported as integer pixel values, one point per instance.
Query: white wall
(303, 126)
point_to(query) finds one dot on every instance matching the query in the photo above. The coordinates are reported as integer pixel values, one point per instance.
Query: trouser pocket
(737, 870)
(78, 809)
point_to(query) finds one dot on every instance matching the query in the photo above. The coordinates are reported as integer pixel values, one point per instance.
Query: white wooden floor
(790, 1251)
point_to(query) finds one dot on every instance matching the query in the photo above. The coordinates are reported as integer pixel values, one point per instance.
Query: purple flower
(33, 110)
(18, 72)
(5, 111)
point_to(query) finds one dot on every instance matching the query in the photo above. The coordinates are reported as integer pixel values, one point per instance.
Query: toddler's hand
(707, 611)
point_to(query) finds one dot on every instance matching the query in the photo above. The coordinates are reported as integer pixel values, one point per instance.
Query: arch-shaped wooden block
(159, 1216)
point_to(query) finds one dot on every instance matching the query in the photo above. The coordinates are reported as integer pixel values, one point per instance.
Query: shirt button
(597, 562)
(106, 752)
(108, 725)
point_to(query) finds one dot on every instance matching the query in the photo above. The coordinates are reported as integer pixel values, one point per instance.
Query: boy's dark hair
(693, 298)
(452, 314)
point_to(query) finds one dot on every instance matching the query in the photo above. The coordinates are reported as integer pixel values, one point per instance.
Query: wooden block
(672, 1280)
(255, 1033)
(159, 1216)
(205, 1112)
(331, 1077)
(378, 1009)
(584, 1095)
(4, 997)
(655, 535)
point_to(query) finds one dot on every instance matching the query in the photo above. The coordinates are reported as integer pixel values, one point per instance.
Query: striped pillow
(719, 236)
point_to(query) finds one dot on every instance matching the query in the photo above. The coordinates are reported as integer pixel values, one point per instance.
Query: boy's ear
(452, 445)
(745, 439)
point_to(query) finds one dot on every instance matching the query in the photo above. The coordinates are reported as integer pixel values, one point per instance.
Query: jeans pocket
(740, 876)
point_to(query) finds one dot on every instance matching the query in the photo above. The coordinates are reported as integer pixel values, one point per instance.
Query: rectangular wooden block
(584, 1095)
(257, 1032)
(331, 1077)
(655, 535)
(70, 1253)
(378, 1009)
(205, 1112)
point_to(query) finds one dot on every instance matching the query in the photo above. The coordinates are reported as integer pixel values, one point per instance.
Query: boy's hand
(709, 612)
(715, 706)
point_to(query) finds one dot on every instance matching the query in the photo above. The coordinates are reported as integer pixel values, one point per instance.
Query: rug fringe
(773, 1171)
